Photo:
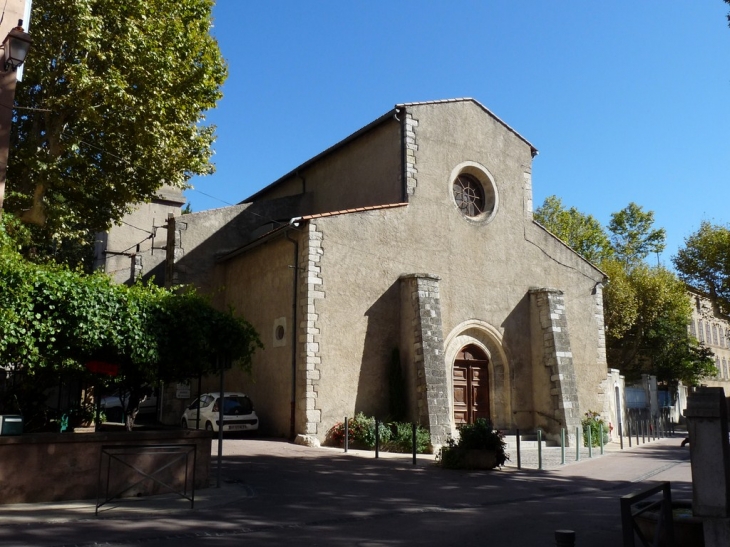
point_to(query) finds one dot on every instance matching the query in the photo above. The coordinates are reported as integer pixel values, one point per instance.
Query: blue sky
(625, 100)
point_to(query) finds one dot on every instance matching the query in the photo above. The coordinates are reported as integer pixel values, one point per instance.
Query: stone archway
(487, 340)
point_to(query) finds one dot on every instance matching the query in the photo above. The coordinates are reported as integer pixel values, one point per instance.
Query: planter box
(480, 459)
(65, 466)
(688, 530)
(458, 458)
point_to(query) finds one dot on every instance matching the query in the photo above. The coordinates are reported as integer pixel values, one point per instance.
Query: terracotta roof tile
(356, 210)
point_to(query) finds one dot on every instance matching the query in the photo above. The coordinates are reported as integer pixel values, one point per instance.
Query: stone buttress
(422, 346)
(557, 356)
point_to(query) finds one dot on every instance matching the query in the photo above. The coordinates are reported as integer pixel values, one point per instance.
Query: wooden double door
(471, 385)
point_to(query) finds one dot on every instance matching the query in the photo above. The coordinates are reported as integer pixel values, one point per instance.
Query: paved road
(276, 493)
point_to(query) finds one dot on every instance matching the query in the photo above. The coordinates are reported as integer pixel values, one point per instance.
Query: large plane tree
(111, 107)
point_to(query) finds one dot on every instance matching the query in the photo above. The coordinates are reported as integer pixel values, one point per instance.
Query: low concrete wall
(65, 466)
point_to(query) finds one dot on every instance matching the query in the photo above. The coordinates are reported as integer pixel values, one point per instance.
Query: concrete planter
(459, 458)
(688, 530)
(480, 459)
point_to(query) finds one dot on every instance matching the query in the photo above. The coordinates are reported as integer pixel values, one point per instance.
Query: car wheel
(184, 423)
(208, 426)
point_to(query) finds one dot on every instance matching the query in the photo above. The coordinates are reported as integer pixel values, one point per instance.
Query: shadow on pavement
(276, 492)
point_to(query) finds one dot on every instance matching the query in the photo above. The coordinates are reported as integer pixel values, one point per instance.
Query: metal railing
(665, 522)
(162, 457)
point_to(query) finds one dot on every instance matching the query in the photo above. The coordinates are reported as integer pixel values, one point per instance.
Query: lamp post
(15, 49)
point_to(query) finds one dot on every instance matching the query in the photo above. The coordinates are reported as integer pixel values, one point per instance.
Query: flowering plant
(593, 422)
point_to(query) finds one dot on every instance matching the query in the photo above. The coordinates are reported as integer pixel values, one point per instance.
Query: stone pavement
(275, 493)
(551, 457)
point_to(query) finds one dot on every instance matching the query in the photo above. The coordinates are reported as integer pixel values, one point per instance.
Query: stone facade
(312, 290)
(711, 329)
(423, 315)
(137, 248)
(324, 263)
(557, 357)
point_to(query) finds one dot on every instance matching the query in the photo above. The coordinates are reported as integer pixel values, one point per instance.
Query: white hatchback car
(238, 414)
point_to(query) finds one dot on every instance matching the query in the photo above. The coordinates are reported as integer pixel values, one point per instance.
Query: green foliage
(401, 439)
(361, 432)
(646, 308)
(582, 233)
(119, 89)
(633, 237)
(394, 437)
(480, 435)
(647, 312)
(53, 320)
(593, 422)
(211, 337)
(704, 263)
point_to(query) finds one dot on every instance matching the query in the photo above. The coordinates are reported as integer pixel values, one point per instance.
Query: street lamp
(16, 46)
(15, 49)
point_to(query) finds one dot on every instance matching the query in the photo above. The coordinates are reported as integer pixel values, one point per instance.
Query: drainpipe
(294, 223)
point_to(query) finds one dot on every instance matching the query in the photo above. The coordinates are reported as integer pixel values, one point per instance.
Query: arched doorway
(471, 385)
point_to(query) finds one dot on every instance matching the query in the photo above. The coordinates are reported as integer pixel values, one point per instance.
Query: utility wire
(135, 227)
(212, 197)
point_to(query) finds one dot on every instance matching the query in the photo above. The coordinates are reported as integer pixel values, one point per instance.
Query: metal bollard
(539, 449)
(643, 431)
(578, 442)
(519, 454)
(562, 446)
(414, 443)
(564, 538)
(347, 434)
(636, 428)
(589, 435)
(621, 434)
(600, 433)
(377, 439)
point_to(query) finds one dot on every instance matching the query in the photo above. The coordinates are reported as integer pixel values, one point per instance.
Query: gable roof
(390, 115)
(480, 105)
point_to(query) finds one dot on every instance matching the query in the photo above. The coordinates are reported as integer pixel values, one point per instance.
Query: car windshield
(237, 405)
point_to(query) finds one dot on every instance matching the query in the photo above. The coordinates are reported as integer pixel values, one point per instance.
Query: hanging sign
(100, 367)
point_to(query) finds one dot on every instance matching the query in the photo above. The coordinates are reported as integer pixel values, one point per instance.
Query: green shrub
(394, 437)
(361, 432)
(480, 435)
(402, 439)
(593, 421)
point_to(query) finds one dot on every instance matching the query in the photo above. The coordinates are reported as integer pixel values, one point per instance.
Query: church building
(411, 244)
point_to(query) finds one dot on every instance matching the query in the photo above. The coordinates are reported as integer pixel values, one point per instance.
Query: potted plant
(480, 446)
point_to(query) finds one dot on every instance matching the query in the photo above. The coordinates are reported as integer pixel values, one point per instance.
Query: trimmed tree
(54, 320)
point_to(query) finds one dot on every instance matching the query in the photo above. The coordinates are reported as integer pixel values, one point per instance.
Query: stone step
(527, 442)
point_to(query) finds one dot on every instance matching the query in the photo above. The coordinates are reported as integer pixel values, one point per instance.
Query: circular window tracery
(474, 192)
(469, 195)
